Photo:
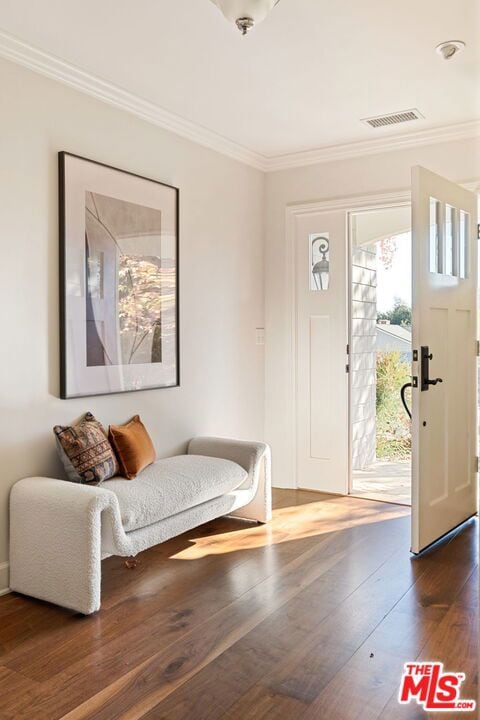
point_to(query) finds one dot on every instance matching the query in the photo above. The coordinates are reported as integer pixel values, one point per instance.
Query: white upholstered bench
(60, 531)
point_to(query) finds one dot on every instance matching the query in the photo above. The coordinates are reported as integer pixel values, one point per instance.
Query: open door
(444, 398)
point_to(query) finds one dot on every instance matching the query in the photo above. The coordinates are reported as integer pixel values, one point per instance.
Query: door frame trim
(350, 204)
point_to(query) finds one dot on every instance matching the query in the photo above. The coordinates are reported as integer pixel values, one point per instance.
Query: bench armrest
(55, 540)
(254, 457)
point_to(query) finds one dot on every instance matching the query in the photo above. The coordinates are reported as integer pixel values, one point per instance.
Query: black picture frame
(65, 392)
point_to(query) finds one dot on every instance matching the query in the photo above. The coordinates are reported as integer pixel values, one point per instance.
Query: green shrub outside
(393, 424)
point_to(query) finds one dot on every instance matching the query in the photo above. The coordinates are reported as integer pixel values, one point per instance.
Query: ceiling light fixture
(450, 48)
(245, 13)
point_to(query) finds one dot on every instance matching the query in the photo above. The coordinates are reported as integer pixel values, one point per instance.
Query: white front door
(321, 344)
(444, 403)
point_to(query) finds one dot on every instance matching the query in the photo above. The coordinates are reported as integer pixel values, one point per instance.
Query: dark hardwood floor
(308, 618)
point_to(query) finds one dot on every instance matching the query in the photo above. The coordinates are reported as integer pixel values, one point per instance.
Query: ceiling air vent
(393, 118)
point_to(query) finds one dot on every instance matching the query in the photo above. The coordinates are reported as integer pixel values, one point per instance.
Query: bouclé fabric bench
(60, 531)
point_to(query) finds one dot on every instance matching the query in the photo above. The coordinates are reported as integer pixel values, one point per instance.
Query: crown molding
(446, 133)
(17, 51)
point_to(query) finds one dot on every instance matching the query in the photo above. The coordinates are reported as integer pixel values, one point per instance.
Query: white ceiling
(303, 79)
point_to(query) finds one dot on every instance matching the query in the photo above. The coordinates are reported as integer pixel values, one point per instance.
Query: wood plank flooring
(309, 617)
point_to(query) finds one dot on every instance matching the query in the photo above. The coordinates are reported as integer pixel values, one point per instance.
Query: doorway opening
(380, 354)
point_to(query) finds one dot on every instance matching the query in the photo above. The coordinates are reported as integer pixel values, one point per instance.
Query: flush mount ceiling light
(245, 13)
(450, 48)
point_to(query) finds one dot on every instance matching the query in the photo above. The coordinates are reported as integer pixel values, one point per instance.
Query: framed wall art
(118, 280)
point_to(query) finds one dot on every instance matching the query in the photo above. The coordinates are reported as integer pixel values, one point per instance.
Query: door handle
(425, 358)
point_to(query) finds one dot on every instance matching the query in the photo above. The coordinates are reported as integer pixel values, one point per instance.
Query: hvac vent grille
(393, 118)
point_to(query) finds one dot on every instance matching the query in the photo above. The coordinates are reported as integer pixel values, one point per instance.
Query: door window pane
(436, 259)
(463, 237)
(319, 258)
(450, 260)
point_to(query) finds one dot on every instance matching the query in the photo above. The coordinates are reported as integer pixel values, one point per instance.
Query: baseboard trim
(4, 572)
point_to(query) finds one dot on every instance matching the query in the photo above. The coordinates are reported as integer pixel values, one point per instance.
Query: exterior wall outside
(363, 372)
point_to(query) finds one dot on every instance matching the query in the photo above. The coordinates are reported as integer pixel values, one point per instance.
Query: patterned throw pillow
(85, 451)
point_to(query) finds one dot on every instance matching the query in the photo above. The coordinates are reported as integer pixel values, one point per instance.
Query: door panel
(320, 381)
(321, 339)
(444, 417)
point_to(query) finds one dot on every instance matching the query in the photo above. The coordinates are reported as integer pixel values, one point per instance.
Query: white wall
(460, 161)
(221, 286)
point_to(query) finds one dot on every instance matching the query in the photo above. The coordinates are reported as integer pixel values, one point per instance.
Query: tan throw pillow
(133, 447)
(85, 451)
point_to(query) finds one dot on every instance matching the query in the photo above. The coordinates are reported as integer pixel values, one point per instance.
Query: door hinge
(347, 368)
(477, 464)
(478, 348)
(348, 349)
(478, 231)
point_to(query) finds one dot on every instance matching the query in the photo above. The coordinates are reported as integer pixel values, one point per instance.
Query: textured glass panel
(463, 235)
(319, 259)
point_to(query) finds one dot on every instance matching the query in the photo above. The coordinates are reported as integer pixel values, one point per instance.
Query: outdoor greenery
(393, 423)
(400, 314)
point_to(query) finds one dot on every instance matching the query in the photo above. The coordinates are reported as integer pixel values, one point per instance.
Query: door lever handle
(425, 358)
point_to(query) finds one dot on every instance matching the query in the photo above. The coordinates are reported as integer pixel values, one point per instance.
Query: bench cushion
(172, 485)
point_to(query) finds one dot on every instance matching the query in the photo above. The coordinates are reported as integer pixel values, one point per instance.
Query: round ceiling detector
(450, 48)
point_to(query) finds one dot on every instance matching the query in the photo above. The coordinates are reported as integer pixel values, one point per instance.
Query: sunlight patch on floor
(291, 523)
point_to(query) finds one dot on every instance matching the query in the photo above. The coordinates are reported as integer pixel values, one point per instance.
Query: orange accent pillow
(133, 447)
